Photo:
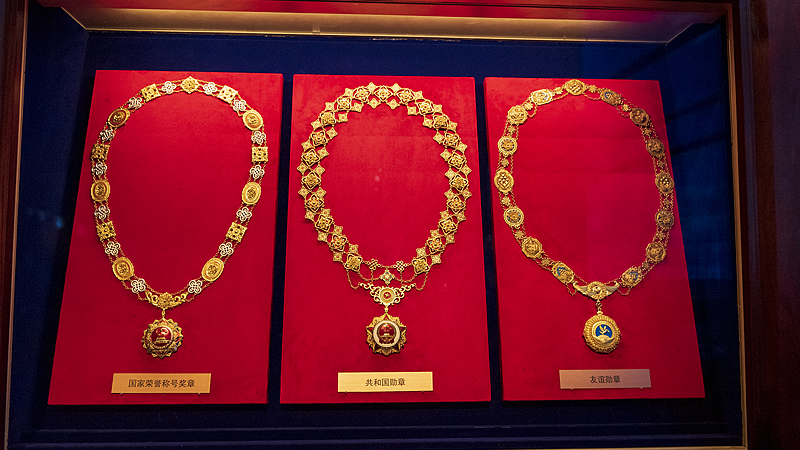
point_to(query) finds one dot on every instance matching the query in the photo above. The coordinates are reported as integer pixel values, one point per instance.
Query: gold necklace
(600, 332)
(164, 336)
(385, 334)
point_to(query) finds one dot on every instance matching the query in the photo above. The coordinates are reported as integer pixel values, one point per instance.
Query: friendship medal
(600, 332)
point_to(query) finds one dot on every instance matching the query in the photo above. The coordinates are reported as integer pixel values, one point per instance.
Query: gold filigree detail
(655, 252)
(105, 230)
(163, 336)
(260, 155)
(575, 87)
(503, 181)
(236, 232)
(563, 273)
(99, 152)
(531, 247)
(251, 193)
(596, 290)
(122, 268)
(227, 94)
(639, 117)
(118, 117)
(189, 85)
(101, 189)
(212, 269)
(252, 120)
(517, 115)
(457, 174)
(150, 92)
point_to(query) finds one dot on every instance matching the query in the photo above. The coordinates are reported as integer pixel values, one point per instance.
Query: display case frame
(747, 264)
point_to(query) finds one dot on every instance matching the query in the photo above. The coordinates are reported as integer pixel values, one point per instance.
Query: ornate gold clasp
(596, 290)
(387, 296)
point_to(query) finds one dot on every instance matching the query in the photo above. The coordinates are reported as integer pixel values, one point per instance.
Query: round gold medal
(601, 333)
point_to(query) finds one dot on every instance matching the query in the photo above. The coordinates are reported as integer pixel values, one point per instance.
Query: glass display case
(690, 48)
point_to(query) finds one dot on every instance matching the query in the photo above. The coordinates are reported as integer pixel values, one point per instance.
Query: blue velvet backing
(62, 58)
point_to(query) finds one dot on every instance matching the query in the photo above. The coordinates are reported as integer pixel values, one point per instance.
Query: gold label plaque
(605, 379)
(385, 381)
(161, 383)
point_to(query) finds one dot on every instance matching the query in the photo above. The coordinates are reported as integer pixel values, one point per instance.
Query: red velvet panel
(586, 185)
(177, 169)
(385, 182)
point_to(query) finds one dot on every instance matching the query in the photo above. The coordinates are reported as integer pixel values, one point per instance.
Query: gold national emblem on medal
(123, 268)
(386, 335)
(213, 269)
(251, 193)
(162, 338)
(101, 189)
(601, 334)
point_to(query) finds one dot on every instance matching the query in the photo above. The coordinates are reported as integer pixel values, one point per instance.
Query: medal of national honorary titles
(386, 334)
(163, 337)
(600, 332)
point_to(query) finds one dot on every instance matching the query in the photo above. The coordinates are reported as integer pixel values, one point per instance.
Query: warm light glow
(644, 26)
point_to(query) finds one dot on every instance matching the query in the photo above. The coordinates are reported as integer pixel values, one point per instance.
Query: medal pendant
(386, 335)
(162, 338)
(601, 333)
